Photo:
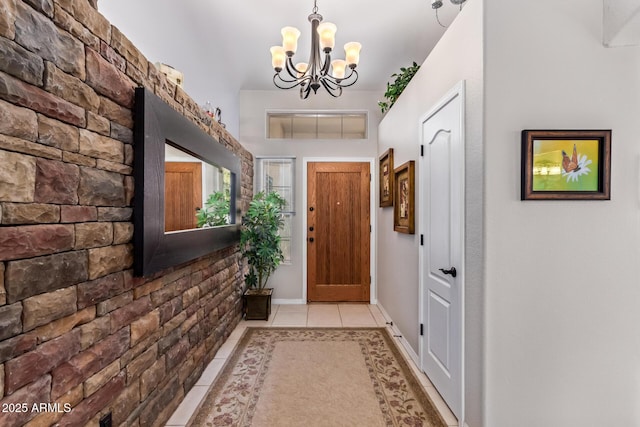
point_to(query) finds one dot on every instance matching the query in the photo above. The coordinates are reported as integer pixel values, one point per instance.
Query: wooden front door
(182, 194)
(338, 231)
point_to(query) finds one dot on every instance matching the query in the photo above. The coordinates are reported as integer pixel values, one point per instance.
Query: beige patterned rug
(280, 377)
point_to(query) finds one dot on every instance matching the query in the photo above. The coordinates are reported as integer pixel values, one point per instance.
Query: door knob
(310, 228)
(451, 271)
(311, 209)
(311, 239)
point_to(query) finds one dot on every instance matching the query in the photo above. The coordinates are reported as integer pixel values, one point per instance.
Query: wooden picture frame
(386, 174)
(404, 198)
(566, 165)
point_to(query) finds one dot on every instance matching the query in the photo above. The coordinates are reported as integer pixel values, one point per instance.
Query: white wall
(457, 56)
(159, 38)
(288, 280)
(562, 278)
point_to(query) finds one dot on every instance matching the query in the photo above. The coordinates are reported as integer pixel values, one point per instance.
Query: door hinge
(421, 329)
(370, 228)
(422, 151)
(369, 279)
(422, 240)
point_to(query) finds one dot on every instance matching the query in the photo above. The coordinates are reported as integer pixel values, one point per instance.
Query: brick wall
(75, 326)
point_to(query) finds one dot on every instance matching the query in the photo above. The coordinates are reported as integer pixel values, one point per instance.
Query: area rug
(280, 377)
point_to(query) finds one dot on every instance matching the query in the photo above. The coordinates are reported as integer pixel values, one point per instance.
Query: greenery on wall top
(397, 87)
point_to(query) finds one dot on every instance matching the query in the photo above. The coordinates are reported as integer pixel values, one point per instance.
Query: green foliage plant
(260, 238)
(397, 87)
(215, 211)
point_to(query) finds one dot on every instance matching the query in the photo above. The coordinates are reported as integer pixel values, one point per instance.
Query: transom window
(350, 125)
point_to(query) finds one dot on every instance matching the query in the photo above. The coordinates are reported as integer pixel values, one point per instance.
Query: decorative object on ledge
(260, 245)
(437, 4)
(566, 165)
(218, 117)
(310, 76)
(397, 87)
(215, 114)
(158, 128)
(404, 198)
(172, 74)
(387, 175)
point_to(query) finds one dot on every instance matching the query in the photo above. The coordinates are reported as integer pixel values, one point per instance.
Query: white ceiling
(224, 45)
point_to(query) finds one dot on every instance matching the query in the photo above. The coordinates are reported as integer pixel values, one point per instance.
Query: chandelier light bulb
(277, 57)
(352, 53)
(338, 66)
(327, 33)
(290, 39)
(302, 68)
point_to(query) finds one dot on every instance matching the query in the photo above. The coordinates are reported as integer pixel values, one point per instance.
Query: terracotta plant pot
(257, 304)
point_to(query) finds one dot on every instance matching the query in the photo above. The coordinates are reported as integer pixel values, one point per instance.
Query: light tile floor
(311, 315)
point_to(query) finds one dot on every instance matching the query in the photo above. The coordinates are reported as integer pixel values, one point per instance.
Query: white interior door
(442, 250)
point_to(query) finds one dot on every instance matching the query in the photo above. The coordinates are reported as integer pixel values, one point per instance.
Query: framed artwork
(566, 165)
(404, 198)
(386, 178)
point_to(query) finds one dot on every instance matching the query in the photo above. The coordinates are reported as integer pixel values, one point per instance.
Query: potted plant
(397, 87)
(260, 245)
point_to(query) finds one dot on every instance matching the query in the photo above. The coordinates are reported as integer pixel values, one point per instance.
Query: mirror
(196, 193)
(163, 136)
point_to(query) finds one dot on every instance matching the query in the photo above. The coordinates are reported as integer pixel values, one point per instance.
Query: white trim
(372, 218)
(405, 344)
(457, 91)
(287, 301)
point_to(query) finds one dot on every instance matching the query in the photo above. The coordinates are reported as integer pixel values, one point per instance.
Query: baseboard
(405, 344)
(284, 301)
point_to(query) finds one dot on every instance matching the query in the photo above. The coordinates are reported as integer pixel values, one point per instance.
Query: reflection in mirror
(197, 193)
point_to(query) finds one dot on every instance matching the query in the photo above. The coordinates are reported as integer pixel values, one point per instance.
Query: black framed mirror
(181, 175)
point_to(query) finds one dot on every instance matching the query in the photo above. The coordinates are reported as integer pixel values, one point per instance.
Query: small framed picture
(404, 198)
(386, 178)
(566, 165)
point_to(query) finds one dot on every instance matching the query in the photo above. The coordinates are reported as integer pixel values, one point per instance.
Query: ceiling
(223, 45)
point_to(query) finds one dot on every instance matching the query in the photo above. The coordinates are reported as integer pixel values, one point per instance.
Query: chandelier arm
(304, 91)
(326, 64)
(291, 69)
(331, 89)
(353, 72)
(290, 83)
(333, 82)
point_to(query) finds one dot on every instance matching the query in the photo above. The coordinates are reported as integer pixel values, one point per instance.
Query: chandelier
(330, 74)
(437, 4)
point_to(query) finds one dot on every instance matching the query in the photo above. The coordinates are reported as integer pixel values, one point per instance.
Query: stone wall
(76, 327)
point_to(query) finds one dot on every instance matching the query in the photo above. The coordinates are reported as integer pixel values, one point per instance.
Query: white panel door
(442, 227)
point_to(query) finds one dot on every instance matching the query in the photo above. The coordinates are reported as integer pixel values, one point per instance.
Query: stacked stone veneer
(75, 326)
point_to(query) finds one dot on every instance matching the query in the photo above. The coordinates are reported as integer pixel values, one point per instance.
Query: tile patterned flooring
(311, 315)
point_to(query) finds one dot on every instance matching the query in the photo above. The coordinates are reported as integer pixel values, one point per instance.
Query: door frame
(372, 212)
(458, 90)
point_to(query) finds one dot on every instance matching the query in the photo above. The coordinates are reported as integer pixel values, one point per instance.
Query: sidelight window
(278, 174)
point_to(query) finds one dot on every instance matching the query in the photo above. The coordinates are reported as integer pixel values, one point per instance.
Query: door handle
(452, 271)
